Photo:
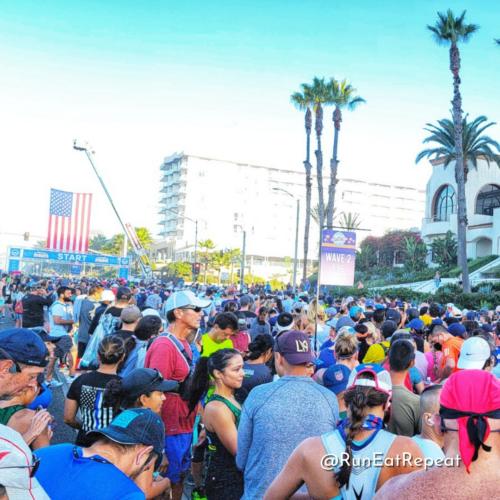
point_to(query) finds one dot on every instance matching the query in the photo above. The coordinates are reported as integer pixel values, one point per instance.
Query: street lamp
(242, 277)
(195, 235)
(296, 237)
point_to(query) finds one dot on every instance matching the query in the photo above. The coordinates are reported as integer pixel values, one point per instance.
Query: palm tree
(206, 246)
(41, 244)
(319, 92)
(342, 95)
(304, 101)
(145, 237)
(451, 30)
(315, 213)
(236, 251)
(219, 261)
(474, 145)
(349, 221)
(444, 250)
(97, 242)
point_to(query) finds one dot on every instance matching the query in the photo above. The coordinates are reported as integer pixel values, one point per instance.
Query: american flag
(69, 221)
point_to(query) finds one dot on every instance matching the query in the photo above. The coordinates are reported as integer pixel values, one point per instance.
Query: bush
(474, 265)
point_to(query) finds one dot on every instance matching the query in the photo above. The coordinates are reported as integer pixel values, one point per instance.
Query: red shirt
(164, 356)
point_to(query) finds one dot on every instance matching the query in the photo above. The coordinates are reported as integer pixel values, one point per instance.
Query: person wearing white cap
(171, 354)
(475, 355)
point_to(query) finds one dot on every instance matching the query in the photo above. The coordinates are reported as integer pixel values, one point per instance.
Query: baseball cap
(24, 346)
(336, 377)
(130, 314)
(182, 299)
(484, 309)
(143, 380)
(150, 312)
(333, 322)
(456, 329)
(107, 295)
(137, 426)
(245, 300)
(123, 293)
(416, 324)
(473, 354)
(470, 316)
(284, 322)
(370, 303)
(14, 457)
(242, 320)
(295, 347)
(353, 310)
(382, 379)
(393, 315)
(331, 311)
(379, 306)
(345, 321)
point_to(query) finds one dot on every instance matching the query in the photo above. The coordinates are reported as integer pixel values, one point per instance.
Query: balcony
(439, 225)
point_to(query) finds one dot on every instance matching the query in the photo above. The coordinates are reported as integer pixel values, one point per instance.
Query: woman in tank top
(359, 437)
(224, 481)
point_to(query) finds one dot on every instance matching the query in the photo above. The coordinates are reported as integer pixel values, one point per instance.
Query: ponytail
(114, 395)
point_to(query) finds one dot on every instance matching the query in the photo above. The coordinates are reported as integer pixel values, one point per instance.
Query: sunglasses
(196, 309)
(5, 355)
(33, 468)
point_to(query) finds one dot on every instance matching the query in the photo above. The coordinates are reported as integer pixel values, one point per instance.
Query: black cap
(44, 335)
(143, 380)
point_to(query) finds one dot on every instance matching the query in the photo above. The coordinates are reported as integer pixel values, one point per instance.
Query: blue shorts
(178, 451)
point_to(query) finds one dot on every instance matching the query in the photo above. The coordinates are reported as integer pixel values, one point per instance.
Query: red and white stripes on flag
(69, 221)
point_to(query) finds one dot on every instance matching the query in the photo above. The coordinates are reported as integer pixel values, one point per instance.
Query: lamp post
(242, 260)
(296, 238)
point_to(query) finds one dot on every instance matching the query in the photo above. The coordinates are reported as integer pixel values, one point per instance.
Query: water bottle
(428, 382)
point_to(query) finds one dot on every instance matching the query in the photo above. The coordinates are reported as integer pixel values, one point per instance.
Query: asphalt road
(62, 433)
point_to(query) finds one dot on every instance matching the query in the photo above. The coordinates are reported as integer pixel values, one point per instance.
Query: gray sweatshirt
(275, 419)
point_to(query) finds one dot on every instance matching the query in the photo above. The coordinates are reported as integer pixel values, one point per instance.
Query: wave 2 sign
(338, 255)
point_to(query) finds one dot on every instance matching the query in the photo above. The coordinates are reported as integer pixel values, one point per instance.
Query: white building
(227, 197)
(482, 191)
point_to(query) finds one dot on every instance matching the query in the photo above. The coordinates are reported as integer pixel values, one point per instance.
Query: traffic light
(26, 236)
(196, 268)
(238, 273)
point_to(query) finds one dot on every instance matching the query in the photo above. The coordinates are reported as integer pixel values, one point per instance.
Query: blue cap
(416, 324)
(379, 306)
(470, 316)
(353, 311)
(336, 377)
(456, 329)
(487, 328)
(437, 321)
(370, 303)
(137, 426)
(24, 346)
(344, 321)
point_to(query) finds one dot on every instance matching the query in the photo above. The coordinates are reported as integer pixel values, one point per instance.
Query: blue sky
(142, 80)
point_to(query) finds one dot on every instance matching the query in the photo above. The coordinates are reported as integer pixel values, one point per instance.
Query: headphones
(430, 421)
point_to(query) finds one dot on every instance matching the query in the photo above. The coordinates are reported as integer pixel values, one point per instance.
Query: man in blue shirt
(132, 444)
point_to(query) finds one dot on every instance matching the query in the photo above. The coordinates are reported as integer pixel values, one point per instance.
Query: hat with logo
(107, 296)
(382, 379)
(178, 300)
(143, 380)
(23, 346)
(393, 315)
(17, 465)
(295, 347)
(137, 426)
(416, 324)
(456, 329)
(370, 303)
(242, 320)
(473, 354)
(336, 377)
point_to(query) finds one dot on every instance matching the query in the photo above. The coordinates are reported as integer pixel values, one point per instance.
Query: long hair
(259, 345)
(359, 401)
(205, 367)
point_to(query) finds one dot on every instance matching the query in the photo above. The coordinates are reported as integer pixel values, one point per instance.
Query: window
(445, 203)
(488, 199)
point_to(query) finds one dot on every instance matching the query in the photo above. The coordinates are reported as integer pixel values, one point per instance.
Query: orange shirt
(451, 349)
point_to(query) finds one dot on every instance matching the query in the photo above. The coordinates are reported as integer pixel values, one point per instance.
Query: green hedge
(474, 265)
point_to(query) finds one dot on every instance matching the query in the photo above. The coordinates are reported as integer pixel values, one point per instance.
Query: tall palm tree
(315, 213)
(206, 246)
(474, 145)
(97, 242)
(451, 30)
(319, 92)
(304, 101)
(343, 96)
(145, 237)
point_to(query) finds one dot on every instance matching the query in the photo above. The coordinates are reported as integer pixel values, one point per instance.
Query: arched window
(445, 203)
(488, 199)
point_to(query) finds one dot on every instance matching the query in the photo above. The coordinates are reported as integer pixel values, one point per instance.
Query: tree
(41, 244)
(97, 242)
(474, 145)
(144, 236)
(304, 101)
(206, 246)
(219, 261)
(315, 213)
(114, 246)
(349, 221)
(366, 258)
(179, 269)
(343, 96)
(451, 30)
(444, 250)
(319, 92)
(236, 251)
(414, 254)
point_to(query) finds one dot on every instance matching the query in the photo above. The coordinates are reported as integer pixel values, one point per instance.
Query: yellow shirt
(209, 347)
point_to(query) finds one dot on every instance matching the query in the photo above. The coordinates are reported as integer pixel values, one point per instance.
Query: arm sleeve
(245, 432)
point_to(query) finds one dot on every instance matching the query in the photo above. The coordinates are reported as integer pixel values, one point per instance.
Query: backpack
(19, 307)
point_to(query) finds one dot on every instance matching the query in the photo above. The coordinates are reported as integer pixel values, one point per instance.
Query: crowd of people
(254, 394)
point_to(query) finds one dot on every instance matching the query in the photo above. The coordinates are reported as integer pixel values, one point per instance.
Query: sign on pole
(224, 276)
(338, 254)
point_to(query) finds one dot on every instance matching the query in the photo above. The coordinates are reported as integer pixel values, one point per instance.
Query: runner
(360, 436)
